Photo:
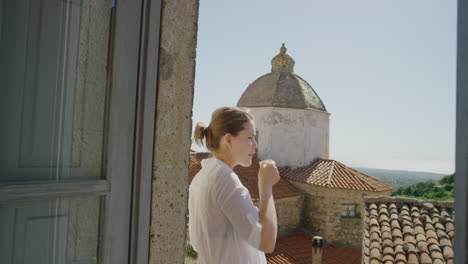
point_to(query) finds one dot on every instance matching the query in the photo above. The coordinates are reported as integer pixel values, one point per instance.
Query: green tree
(448, 187)
(408, 190)
(447, 179)
(440, 190)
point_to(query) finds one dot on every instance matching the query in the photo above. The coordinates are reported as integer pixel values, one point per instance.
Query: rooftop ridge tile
(333, 174)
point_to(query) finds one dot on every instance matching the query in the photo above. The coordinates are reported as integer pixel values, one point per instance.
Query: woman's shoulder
(215, 166)
(220, 174)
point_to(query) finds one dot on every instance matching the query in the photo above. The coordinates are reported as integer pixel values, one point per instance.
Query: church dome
(281, 88)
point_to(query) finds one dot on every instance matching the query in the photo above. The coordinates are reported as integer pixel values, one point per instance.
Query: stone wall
(288, 213)
(322, 213)
(173, 131)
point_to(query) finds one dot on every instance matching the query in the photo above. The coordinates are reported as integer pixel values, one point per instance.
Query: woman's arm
(267, 177)
(267, 215)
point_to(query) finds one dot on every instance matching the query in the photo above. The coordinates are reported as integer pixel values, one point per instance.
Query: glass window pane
(47, 231)
(53, 72)
(344, 210)
(348, 210)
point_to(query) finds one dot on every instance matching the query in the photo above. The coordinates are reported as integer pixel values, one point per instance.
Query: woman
(224, 225)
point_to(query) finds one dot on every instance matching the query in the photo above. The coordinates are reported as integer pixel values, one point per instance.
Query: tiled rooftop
(248, 177)
(333, 174)
(296, 248)
(405, 230)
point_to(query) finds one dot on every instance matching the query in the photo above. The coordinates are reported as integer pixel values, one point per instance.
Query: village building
(291, 120)
(293, 129)
(316, 195)
(334, 199)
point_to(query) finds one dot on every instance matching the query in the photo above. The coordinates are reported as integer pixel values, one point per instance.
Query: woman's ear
(228, 140)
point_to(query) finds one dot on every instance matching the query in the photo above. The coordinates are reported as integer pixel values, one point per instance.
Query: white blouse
(223, 221)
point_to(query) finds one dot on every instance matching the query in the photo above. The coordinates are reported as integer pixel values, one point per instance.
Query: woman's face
(244, 145)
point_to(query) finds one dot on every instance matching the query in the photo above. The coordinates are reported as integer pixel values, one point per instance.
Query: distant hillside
(443, 189)
(398, 178)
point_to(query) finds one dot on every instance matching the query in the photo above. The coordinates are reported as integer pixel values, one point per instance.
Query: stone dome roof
(281, 88)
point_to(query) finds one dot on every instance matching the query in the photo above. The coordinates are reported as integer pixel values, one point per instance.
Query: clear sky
(385, 69)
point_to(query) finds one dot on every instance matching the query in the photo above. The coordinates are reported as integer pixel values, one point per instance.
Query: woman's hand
(268, 175)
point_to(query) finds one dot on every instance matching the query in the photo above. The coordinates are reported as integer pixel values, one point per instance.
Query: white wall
(292, 137)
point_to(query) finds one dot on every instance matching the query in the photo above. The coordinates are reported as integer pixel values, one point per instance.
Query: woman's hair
(223, 120)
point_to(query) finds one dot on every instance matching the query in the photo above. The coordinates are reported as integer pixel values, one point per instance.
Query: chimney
(317, 249)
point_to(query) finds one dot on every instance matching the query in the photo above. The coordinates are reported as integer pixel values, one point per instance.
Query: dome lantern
(282, 61)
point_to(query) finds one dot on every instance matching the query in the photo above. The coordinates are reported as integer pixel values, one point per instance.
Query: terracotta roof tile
(383, 218)
(434, 247)
(248, 177)
(407, 230)
(436, 255)
(383, 211)
(431, 234)
(296, 248)
(333, 174)
(375, 253)
(411, 248)
(387, 235)
(444, 242)
(374, 237)
(388, 257)
(421, 231)
(425, 258)
(432, 241)
(388, 251)
(396, 232)
(375, 244)
(375, 229)
(395, 224)
(386, 228)
(439, 226)
(422, 247)
(416, 220)
(449, 227)
(448, 252)
(400, 257)
(387, 242)
(399, 249)
(413, 258)
(393, 216)
(397, 241)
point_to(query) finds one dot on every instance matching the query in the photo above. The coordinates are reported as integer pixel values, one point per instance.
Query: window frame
(461, 146)
(131, 82)
(355, 216)
(136, 50)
